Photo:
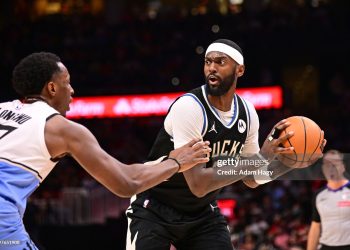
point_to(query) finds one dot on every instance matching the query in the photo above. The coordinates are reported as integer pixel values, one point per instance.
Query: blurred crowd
(301, 47)
(273, 216)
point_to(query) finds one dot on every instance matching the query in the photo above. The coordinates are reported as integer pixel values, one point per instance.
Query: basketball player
(330, 224)
(183, 211)
(34, 135)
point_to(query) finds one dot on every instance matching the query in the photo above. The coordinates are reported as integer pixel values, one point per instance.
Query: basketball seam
(305, 141)
(295, 153)
(318, 144)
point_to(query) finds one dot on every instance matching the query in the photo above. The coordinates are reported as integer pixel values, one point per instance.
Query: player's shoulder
(187, 108)
(62, 125)
(44, 109)
(252, 114)
(187, 102)
(14, 104)
(247, 103)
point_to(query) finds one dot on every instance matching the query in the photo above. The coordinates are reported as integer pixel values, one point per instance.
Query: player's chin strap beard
(33, 98)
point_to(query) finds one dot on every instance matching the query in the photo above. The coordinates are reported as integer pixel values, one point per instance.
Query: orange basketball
(307, 141)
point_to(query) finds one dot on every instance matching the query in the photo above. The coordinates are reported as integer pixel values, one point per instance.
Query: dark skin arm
(202, 180)
(66, 137)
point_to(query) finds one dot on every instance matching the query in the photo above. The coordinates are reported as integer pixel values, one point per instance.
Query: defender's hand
(191, 154)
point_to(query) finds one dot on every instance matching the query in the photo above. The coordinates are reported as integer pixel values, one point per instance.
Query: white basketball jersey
(24, 157)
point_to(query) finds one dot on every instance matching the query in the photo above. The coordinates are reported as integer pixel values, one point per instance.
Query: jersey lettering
(7, 129)
(225, 148)
(19, 118)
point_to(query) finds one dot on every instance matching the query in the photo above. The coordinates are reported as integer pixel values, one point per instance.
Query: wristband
(262, 179)
(261, 157)
(177, 162)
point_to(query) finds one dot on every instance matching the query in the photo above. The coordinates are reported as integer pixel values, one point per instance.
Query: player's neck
(34, 98)
(223, 102)
(335, 184)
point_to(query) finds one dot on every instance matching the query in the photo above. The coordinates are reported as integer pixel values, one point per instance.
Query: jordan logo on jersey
(213, 128)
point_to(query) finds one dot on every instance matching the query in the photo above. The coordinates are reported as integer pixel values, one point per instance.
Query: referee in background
(330, 226)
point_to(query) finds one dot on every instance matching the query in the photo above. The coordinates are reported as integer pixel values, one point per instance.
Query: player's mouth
(213, 80)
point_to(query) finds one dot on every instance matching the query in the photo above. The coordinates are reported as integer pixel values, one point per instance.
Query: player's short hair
(32, 73)
(228, 47)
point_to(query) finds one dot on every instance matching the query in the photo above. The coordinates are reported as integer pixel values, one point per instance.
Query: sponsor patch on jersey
(242, 126)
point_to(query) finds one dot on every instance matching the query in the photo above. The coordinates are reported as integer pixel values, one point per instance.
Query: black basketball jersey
(225, 140)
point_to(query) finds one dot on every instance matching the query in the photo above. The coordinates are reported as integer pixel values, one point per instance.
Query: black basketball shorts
(153, 225)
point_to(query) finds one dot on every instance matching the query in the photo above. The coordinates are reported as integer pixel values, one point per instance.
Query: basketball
(307, 141)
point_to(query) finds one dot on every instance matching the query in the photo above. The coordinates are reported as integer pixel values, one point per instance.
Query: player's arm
(204, 180)
(184, 122)
(313, 236)
(66, 137)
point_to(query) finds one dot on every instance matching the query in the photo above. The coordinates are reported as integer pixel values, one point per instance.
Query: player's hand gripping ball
(308, 143)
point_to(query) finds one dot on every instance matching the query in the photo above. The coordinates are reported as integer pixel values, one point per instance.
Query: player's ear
(51, 88)
(240, 70)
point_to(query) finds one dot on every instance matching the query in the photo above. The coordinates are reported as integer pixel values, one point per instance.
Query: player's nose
(212, 67)
(71, 91)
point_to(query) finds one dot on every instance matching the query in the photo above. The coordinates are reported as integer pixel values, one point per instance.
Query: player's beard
(223, 87)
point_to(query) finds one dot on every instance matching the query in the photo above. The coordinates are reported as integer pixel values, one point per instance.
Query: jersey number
(8, 130)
